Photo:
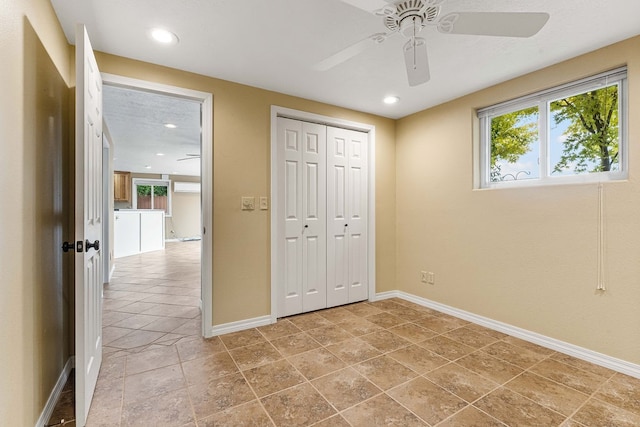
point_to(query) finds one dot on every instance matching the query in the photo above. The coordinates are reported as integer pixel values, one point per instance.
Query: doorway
(168, 173)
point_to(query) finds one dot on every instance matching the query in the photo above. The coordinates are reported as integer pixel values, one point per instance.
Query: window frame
(542, 100)
(156, 183)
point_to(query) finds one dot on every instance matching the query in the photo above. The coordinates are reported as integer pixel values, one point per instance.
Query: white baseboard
(594, 357)
(240, 325)
(55, 393)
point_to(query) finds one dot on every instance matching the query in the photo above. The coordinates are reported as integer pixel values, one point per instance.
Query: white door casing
(347, 216)
(302, 216)
(88, 224)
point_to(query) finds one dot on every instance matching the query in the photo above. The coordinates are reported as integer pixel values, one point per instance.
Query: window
(152, 194)
(571, 133)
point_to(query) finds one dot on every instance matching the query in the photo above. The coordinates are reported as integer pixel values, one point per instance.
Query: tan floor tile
(386, 304)
(447, 348)
(335, 421)
(153, 383)
(170, 409)
(362, 309)
(418, 359)
(471, 417)
(137, 307)
(584, 365)
(412, 332)
(301, 405)
(597, 414)
(580, 380)
(425, 399)
(489, 367)
(461, 382)
(515, 355)
(528, 345)
(111, 317)
(282, 328)
(136, 338)
(135, 321)
(112, 367)
(112, 333)
(273, 377)
(514, 409)
(199, 347)
(440, 324)
(622, 391)
(200, 370)
(328, 335)
(255, 355)
(381, 411)
(190, 327)
(385, 341)
(385, 372)
(353, 351)
(151, 359)
(337, 315)
(547, 393)
(407, 313)
(359, 326)
(309, 321)
(471, 338)
(219, 393)
(294, 344)
(242, 338)
(165, 324)
(171, 310)
(385, 320)
(246, 415)
(345, 388)
(316, 363)
(483, 330)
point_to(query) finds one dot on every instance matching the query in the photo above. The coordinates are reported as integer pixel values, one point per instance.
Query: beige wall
(34, 177)
(241, 156)
(523, 256)
(185, 211)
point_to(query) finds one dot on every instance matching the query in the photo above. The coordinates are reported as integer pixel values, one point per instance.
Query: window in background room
(571, 133)
(152, 194)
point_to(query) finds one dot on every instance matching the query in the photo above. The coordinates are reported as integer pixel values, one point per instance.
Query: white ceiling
(273, 44)
(136, 122)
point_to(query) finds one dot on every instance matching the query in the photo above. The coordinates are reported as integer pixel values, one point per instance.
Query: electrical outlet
(431, 278)
(423, 276)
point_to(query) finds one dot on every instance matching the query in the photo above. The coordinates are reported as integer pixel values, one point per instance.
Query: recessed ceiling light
(147, 167)
(159, 154)
(163, 36)
(170, 125)
(391, 99)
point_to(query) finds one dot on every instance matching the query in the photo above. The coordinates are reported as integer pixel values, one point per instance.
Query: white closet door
(346, 216)
(302, 216)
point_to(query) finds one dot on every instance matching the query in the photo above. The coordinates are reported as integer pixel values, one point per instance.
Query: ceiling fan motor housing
(411, 17)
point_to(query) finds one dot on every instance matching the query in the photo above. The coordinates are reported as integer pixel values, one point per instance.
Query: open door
(88, 224)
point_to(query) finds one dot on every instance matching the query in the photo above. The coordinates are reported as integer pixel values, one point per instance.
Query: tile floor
(385, 363)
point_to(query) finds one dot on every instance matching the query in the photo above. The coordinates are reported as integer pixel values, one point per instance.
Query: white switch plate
(248, 203)
(264, 203)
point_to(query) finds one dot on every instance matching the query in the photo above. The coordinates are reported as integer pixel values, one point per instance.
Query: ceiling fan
(189, 157)
(409, 17)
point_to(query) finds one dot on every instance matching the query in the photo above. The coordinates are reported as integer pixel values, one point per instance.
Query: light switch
(264, 203)
(248, 203)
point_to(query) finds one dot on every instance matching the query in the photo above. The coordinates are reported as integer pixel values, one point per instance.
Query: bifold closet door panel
(346, 216)
(302, 216)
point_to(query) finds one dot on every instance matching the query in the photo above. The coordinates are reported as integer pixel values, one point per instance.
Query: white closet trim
(276, 112)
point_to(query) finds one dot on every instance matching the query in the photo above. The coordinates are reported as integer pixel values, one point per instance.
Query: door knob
(95, 245)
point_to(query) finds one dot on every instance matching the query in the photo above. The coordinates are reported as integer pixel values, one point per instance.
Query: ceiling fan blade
(415, 58)
(350, 52)
(506, 24)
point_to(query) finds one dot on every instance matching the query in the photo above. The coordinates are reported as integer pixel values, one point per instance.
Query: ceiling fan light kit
(410, 17)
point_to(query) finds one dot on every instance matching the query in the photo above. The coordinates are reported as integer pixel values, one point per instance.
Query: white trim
(276, 112)
(582, 353)
(206, 179)
(240, 325)
(50, 406)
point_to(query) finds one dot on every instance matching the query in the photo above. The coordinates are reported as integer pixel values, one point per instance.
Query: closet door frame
(276, 112)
